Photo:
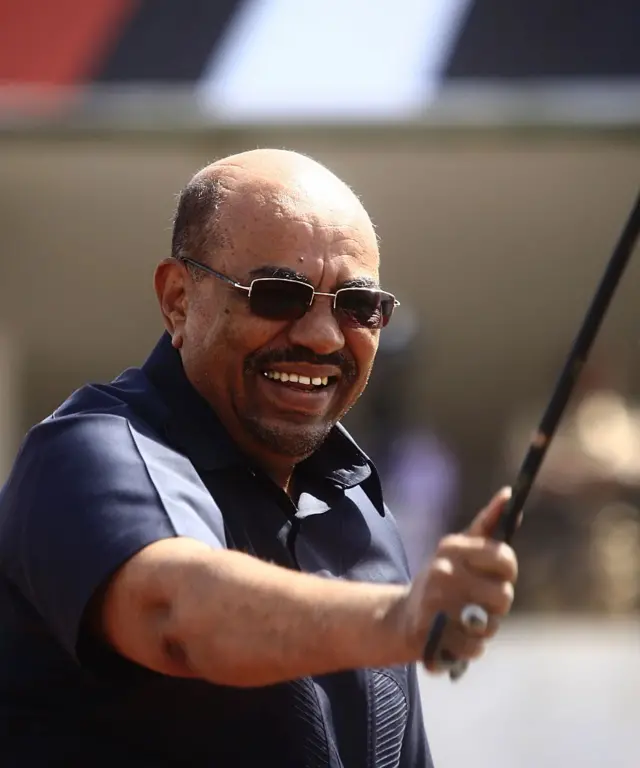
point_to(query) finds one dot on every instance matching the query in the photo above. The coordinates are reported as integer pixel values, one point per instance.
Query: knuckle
(515, 569)
(505, 598)
(442, 566)
(508, 561)
(451, 542)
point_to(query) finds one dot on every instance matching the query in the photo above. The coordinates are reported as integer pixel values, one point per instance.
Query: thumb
(486, 520)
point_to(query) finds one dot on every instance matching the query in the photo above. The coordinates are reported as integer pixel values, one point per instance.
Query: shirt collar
(192, 425)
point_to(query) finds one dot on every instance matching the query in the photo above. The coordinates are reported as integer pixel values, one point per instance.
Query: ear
(170, 285)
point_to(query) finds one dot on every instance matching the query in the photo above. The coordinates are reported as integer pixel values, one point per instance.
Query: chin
(287, 439)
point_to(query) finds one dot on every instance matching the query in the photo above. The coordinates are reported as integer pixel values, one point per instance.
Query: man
(198, 568)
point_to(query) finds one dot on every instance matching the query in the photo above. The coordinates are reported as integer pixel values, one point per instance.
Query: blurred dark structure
(580, 543)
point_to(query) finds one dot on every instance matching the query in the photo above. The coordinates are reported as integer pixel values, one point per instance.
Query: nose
(319, 329)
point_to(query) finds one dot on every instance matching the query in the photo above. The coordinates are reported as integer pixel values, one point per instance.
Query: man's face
(245, 365)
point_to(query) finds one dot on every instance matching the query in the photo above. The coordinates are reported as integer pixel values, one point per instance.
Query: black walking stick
(474, 615)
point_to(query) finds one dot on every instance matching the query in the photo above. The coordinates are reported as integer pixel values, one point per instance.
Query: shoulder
(131, 395)
(92, 473)
(98, 422)
(96, 448)
(77, 464)
(69, 445)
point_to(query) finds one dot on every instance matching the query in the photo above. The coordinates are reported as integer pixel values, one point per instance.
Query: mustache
(258, 362)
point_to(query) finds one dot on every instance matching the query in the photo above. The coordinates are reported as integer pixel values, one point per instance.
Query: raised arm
(94, 546)
(182, 608)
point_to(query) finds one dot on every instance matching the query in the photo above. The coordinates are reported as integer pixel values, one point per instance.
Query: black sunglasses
(282, 298)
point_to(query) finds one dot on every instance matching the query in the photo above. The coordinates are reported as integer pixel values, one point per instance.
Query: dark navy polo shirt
(143, 458)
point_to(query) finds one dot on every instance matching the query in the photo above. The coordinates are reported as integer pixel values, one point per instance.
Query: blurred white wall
(547, 694)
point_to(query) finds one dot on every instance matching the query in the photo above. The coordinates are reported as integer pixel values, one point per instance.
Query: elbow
(190, 652)
(175, 658)
(203, 659)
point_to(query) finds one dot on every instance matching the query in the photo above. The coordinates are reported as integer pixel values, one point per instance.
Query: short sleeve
(86, 493)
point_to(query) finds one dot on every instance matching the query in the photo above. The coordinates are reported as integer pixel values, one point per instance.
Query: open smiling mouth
(300, 382)
(301, 395)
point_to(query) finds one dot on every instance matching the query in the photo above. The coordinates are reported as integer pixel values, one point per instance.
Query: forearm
(242, 622)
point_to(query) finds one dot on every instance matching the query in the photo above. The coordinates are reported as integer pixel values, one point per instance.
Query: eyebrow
(360, 282)
(279, 272)
(291, 274)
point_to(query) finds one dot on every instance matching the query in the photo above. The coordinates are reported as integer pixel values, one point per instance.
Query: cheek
(363, 346)
(245, 335)
(225, 339)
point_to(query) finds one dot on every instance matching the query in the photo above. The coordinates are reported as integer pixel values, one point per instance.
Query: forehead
(281, 228)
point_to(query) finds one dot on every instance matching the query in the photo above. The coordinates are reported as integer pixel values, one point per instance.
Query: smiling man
(197, 565)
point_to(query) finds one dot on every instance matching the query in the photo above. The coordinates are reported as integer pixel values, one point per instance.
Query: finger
(441, 664)
(457, 644)
(496, 597)
(486, 632)
(458, 585)
(486, 520)
(485, 556)
(491, 558)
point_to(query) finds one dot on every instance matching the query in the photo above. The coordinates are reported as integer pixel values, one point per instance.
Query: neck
(280, 473)
(278, 468)
(283, 479)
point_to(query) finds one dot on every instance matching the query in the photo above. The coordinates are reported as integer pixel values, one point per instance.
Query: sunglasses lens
(276, 299)
(364, 308)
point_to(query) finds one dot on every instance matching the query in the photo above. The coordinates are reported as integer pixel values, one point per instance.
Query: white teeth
(317, 381)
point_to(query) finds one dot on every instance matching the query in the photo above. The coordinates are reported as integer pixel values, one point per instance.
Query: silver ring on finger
(474, 617)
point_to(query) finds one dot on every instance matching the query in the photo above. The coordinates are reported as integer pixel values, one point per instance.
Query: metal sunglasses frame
(248, 288)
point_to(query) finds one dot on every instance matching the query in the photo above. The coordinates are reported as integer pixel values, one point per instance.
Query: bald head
(240, 189)
(278, 169)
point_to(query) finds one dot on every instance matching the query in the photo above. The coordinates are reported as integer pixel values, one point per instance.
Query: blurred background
(496, 145)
